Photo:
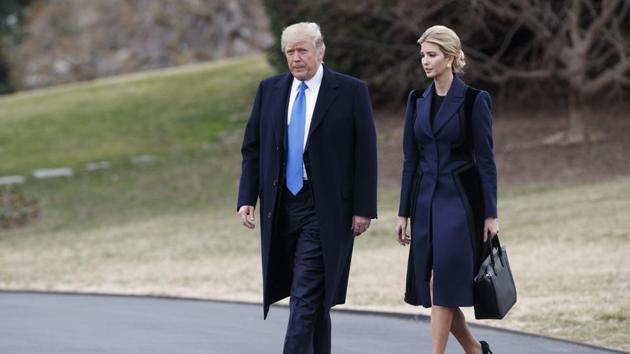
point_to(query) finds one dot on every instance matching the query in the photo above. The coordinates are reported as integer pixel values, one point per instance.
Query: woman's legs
(441, 321)
(460, 330)
(445, 320)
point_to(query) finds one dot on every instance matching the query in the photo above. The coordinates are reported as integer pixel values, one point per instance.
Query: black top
(436, 102)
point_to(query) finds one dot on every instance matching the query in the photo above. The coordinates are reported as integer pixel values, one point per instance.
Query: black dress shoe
(485, 348)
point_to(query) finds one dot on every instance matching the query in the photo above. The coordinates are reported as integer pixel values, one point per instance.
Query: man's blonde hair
(303, 31)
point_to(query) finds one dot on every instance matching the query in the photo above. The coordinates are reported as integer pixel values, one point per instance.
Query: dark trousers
(308, 330)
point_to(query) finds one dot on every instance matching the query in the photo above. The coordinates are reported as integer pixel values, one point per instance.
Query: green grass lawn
(191, 118)
(150, 113)
(170, 228)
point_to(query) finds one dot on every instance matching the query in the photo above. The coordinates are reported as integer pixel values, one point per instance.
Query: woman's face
(434, 61)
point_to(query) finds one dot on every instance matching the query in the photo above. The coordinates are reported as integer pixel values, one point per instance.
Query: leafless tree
(584, 44)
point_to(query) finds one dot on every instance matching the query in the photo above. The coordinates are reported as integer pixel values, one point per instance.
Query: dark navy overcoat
(449, 186)
(340, 160)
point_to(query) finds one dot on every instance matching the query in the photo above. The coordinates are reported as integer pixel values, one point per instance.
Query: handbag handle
(490, 243)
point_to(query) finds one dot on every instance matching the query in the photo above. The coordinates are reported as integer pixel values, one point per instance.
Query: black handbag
(495, 291)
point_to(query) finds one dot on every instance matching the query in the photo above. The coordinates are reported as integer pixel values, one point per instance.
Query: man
(309, 154)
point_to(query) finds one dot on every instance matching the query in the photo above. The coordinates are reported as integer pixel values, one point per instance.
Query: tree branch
(498, 72)
(608, 9)
(606, 78)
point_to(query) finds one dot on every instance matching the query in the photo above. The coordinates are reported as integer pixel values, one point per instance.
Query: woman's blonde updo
(449, 43)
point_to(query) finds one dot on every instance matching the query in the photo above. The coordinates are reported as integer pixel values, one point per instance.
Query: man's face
(303, 59)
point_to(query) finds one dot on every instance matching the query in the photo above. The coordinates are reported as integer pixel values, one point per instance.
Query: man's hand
(246, 214)
(360, 224)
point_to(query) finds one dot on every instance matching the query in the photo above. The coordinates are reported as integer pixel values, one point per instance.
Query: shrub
(15, 209)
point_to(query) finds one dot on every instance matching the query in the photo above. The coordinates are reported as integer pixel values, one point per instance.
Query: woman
(449, 189)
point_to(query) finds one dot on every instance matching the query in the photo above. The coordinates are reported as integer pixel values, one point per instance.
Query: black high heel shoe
(485, 348)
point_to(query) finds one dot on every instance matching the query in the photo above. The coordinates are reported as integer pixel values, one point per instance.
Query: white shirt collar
(313, 83)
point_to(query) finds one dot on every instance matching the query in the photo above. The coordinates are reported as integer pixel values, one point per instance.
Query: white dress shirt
(311, 98)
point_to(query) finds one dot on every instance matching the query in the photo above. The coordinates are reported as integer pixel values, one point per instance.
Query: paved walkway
(56, 323)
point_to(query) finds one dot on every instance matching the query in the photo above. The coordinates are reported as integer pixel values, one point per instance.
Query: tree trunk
(578, 111)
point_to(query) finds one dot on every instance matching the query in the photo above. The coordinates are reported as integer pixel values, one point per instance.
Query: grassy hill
(148, 113)
(170, 227)
(191, 118)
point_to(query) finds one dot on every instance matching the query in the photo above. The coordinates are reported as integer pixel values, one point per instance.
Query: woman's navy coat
(449, 186)
(340, 160)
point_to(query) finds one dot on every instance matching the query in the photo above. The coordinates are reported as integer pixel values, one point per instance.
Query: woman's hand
(401, 231)
(490, 228)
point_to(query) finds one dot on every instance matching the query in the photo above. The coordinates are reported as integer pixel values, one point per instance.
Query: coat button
(269, 215)
(275, 182)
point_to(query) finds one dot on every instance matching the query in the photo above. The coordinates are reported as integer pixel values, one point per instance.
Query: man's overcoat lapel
(279, 110)
(328, 92)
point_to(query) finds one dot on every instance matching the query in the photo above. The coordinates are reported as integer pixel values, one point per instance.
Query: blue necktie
(296, 142)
